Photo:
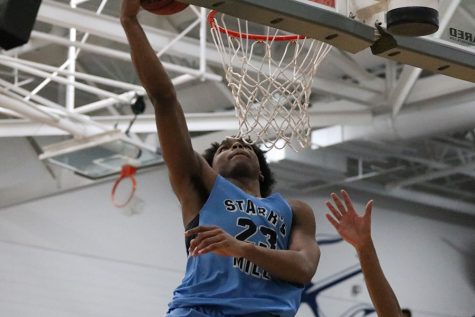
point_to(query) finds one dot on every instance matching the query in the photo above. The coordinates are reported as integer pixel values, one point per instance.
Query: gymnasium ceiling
(380, 127)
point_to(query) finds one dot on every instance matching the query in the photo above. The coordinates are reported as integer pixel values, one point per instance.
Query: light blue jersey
(235, 286)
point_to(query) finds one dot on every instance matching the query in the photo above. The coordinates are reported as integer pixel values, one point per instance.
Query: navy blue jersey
(235, 286)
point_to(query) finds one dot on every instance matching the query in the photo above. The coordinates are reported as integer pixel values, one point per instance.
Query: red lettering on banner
(329, 3)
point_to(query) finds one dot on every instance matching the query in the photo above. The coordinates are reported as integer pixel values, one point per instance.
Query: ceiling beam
(383, 151)
(432, 175)
(61, 80)
(411, 123)
(326, 175)
(81, 76)
(437, 86)
(417, 197)
(219, 121)
(120, 55)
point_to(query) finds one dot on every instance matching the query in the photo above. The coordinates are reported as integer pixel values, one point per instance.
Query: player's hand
(214, 239)
(129, 9)
(353, 228)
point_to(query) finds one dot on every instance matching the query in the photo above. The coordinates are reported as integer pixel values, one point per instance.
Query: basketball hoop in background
(270, 76)
(124, 187)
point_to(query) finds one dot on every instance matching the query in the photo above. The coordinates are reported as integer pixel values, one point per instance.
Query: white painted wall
(75, 255)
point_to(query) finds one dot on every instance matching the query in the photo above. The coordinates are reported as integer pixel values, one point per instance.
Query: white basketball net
(271, 81)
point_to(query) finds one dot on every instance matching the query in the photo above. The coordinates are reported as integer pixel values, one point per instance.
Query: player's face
(235, 158)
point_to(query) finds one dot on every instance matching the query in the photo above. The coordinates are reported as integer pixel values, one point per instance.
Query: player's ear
(261, 177)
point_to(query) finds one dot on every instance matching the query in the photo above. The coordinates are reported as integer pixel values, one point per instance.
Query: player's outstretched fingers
(338, 204)
(333, 210)
(368, 209)
(347, 200)
(332, 221)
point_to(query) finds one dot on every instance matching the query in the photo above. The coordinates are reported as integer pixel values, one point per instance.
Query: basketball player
(356, 230)
(250, 252)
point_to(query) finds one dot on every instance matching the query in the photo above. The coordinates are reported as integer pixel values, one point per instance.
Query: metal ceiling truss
(386, 176)
(52, 12)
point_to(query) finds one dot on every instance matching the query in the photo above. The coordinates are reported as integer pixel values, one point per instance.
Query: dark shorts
(208, 312)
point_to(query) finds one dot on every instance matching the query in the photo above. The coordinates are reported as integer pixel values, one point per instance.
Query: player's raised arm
(356, 230)
(183, 163)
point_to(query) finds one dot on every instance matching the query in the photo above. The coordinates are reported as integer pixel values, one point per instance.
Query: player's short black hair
(406, 312)
(266, 183)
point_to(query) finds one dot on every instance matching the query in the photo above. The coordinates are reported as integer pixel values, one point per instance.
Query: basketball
(163, 7)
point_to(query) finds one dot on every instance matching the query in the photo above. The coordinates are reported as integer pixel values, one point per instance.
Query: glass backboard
(100, 155)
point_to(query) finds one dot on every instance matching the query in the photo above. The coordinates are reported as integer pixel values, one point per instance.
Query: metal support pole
(203, 27)
(70, 89)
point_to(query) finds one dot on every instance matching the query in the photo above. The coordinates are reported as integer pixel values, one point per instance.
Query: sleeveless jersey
(235, 286)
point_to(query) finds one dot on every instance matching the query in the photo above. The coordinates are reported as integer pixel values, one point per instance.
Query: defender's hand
(129, 9)
(353, 228)
(216, 240)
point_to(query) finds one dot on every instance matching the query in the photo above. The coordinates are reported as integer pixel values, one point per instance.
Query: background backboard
(100, 155)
